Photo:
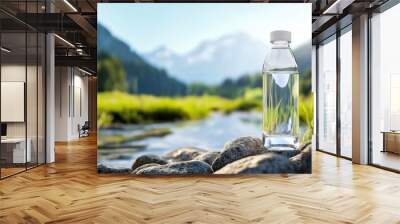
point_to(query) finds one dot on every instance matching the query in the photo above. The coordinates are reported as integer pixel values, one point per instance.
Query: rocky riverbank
(245, 155)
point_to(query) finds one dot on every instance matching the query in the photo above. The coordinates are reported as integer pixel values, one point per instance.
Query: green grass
(306, 116)
(122, 108)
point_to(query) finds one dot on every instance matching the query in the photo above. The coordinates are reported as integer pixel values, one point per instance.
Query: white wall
(62, 81)
(33, 126)
(12, 73)
(80, 94)
(71, 87)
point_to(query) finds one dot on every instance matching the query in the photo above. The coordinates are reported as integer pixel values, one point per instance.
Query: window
(15, 147)
(22, 77)
(385, 89)
(327, 96)
(346, 93)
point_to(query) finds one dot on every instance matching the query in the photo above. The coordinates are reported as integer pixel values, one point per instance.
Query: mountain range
(213, 61)
(163, 72)
(141, 76)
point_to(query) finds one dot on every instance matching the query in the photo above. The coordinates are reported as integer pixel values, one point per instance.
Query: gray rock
(304, 146)
(207, 157)
(194, 167)
(144, 167)
(302, 162)
(145, 159)
(104, 169)
(264, 163)
(184, 154)
(283, 151)
(238, 149)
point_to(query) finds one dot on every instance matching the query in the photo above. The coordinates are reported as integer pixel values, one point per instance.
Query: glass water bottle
(280, 94)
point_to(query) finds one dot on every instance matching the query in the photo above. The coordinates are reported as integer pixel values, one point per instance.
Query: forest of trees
(141, 78)
(136, 77)
(233, 88)
(111, 74)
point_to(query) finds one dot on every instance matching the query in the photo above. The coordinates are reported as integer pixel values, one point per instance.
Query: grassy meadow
(123, 108)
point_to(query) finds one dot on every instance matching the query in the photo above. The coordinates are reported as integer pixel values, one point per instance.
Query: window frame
(333, 37)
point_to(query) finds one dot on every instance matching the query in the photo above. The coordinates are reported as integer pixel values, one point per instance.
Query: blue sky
(181, 27)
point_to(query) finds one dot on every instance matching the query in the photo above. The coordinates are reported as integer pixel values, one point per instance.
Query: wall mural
(204, 89)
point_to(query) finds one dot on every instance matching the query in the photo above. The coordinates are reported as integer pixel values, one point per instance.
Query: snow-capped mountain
(212, 61)
(163, 57)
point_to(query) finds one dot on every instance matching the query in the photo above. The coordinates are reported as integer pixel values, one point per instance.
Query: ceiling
(74, 21)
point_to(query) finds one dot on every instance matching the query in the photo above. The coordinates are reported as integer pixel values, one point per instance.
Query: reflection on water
(211, 134)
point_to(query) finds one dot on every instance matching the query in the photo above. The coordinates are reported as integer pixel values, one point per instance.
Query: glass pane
(32, 86)
(346, 94)
(31, 97)
(327, 96)
(41, 98)
(14, 152)
(22, 88)
(385, 85)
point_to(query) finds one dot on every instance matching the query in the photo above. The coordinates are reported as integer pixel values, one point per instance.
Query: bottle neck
(280, 44)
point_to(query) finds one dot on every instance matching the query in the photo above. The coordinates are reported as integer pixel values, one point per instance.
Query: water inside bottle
(280, 118)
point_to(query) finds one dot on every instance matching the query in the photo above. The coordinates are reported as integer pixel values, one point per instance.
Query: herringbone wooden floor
(70, 191)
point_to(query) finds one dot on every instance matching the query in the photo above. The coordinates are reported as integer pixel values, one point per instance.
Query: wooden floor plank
(71, 191)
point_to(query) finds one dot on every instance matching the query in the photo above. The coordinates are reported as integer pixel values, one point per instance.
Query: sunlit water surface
(210, 133)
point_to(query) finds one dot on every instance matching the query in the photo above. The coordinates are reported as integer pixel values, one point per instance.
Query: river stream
(210, 133)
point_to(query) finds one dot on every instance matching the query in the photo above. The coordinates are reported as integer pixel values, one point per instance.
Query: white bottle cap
(281, 35)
